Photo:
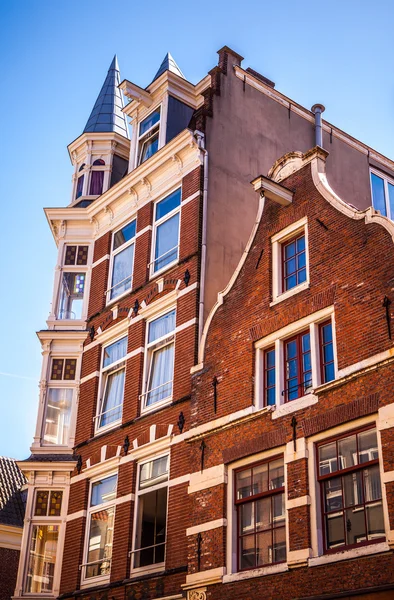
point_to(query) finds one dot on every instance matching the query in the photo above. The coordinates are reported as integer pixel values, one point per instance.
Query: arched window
(80, 182)
(97, 179)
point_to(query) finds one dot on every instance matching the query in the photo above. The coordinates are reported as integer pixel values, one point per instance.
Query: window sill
(259, 572)
(349, 554)
(94, 581)
(295, 290)
(156, 406)
(294, 405)
(108, 427)
(157, 568)
(117, 298)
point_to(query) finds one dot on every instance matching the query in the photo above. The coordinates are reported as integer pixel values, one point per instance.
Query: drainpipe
(201, 145)
(317, 110)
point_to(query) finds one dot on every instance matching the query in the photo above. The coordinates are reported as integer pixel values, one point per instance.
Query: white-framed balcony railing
(152, 264)
(115, 418)
(154, 395)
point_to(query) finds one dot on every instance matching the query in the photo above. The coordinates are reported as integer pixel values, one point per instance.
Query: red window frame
(322, 345)
(284, 244)
(268, 388)
(359, 467)
(300, 369)
(253, 498)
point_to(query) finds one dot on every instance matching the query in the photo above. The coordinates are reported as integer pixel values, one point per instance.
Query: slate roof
(107, 115)
(12, 501)
(50, 458)
(168, 64)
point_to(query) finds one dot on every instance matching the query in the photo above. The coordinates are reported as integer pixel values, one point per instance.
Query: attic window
(148, 136)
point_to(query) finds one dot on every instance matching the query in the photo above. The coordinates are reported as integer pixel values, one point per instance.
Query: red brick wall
(9, 560)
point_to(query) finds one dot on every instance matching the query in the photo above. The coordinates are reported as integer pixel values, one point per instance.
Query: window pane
(113, 398)
(260, 478)
(104, 490)
(244, 484)
(353, 489)
(290, 250)
(122, 271)
(333, 494)
(41, 506)
(263, 514)
(264, 548)
(372, 486)
(378, 194)
(247, 552)
(347, 452)
(161, 327)
(149, 147)
(151, 527)
(42, 558)
(153, 470)
(391, 199)
(124, 235)
(167, 236)
(96, 183)
(328, 458)
(149, 121)
(355, 526)
(55, 505)
(270, 358)
(367, 446)
(71, 253)
(79, 186)
(57, 416)
(277, 475)
(114, 352)
(168, 204)
(279, 539)
(326, 333)
(290, 267)
(329, 372)
(278, 510)
(246, 518)
(335, 530)
(161, 375)
(100, 542)
(375, 521)
(71, 296)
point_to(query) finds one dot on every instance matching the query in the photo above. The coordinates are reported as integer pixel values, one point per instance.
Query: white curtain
(122, 270)
(114, 352)
(161, 373)
(166, 239)
(113, 399)
(161, 326)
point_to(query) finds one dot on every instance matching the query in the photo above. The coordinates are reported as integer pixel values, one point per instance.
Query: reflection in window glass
(57, 416)
(42, 559)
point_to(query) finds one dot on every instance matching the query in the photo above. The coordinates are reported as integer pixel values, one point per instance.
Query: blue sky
(53, 59)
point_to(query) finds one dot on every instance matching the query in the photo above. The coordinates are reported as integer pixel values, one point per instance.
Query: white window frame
(232, 573)
(317, 544)
(105, 168)
(277, 339)
(138, 493)
(386, 180)
(131, 242)
(277, 241)
(148, 354)
(63, 385)
(121, 364)
(63, 268)
(91, 581)
(156, 225)
(140, 138)
(44, 521)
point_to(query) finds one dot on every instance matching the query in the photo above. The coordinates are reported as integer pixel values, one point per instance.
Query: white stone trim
(90, 376)
(144, 230)
(100, 260)
(179, 480)
(298, 558)
(186, 325)
(10, 537)
(297, 502)
(207, 526)
(208, 577)
(301, 451)
(294, 405)
(260, 572)
(348, 554)
(388, 476)
(190, 198)
(76, 515)
(208, 478)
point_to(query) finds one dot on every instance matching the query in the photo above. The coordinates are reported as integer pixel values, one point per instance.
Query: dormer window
(97, 178)
(148, 136)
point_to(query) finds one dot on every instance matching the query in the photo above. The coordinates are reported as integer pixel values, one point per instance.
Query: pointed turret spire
(168, 64)
(107, 113)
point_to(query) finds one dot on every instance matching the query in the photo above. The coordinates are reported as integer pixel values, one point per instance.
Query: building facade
(215, 415)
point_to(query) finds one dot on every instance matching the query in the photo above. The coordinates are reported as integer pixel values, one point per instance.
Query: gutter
(200, 137)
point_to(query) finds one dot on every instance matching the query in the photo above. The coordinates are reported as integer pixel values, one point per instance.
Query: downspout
(201, 145)
(317, 110)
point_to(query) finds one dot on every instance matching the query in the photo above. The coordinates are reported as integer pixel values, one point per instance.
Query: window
(71, 295)
(290, 260)
(148, 136)
(151, 513)
(113, 370)
(41, 557)
(63, 368)
(260, 509)
(96, 178)
(122, 260)
(159, 359)
(57, 416)
(382, 188)
(80, 180)
(166, 232)
(292, 365)
(100, 528)
(351, 490)
(76, 255)
(294, 262)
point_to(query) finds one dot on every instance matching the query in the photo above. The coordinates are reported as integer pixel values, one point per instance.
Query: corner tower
(100, 155)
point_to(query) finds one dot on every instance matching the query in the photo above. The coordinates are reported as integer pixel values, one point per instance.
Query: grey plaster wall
(246, 135)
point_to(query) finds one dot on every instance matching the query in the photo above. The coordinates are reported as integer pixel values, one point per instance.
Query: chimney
(317, 110)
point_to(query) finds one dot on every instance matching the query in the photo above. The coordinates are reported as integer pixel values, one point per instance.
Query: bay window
(151, 513)
(260, 511)
(122, 261)
(113, 371)
(100, 528)
(351, 491)
(71, 294)
(166, 232)
(148, 136)
(159, 360)
(57, 416)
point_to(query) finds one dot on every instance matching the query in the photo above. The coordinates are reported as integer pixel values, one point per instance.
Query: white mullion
(112, 261)
(315, 354)
(279, 368)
